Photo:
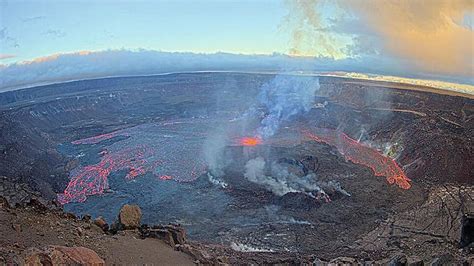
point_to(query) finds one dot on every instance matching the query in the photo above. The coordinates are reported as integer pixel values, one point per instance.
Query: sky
(429, 39)
(40, 28)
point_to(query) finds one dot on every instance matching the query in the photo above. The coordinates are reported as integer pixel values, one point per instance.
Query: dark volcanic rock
(415, 261)
(297, 200)
(171, 234)
(433, 134)
(467, 230)
(343, 261)
(442, 260)
(15, 194)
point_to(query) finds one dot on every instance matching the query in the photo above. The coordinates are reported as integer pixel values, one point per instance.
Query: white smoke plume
(333, 186)
(281, 181)
(284, 97)
(255, 172)
(246, 248)
(213, 149)
(305, 183)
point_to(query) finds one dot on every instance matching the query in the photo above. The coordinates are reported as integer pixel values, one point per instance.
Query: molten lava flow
(141, 150)
(360, 154)
(93, 179)
(250, 141)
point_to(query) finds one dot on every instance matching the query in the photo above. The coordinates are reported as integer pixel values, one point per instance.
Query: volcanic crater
(369, 167)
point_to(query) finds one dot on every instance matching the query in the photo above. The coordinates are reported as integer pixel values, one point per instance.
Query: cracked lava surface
(172, 151)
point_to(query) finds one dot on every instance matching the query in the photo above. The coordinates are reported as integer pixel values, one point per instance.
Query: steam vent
(343, 176)
(204, 132)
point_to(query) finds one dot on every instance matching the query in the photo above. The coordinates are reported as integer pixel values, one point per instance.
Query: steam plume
(214, 152)
(282, 181)
(284, 97)
(255, 172)
(308, 37)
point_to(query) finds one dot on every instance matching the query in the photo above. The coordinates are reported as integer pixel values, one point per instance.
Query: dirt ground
(25, 228)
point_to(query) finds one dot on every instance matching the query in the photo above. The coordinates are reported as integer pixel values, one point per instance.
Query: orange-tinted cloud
(426, 34)
(54, 57)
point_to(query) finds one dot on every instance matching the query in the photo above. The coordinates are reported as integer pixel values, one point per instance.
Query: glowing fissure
(363, 155)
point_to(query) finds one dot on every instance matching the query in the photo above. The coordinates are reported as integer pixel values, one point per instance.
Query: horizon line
(467, 92)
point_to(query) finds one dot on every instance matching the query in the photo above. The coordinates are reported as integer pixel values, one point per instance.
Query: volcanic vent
(262, 167)
(279, 164)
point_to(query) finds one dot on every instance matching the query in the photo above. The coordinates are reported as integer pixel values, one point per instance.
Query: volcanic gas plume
(283, 98)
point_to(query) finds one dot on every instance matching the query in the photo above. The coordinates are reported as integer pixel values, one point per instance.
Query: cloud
(427, 33)
(433, 37)
(7, 39)
(95, 64)
(6, 56)
(87, 64)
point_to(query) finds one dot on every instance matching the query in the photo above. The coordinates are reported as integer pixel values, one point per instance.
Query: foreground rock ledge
(60, 255)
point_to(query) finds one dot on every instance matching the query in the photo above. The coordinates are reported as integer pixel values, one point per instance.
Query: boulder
(130, 216)
(74, 255)
(100, 222)
(60, 255)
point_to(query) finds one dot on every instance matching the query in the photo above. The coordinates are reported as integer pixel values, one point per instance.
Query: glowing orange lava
(250, 141)
(93, 179)
(166, 177)
(360, 154)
